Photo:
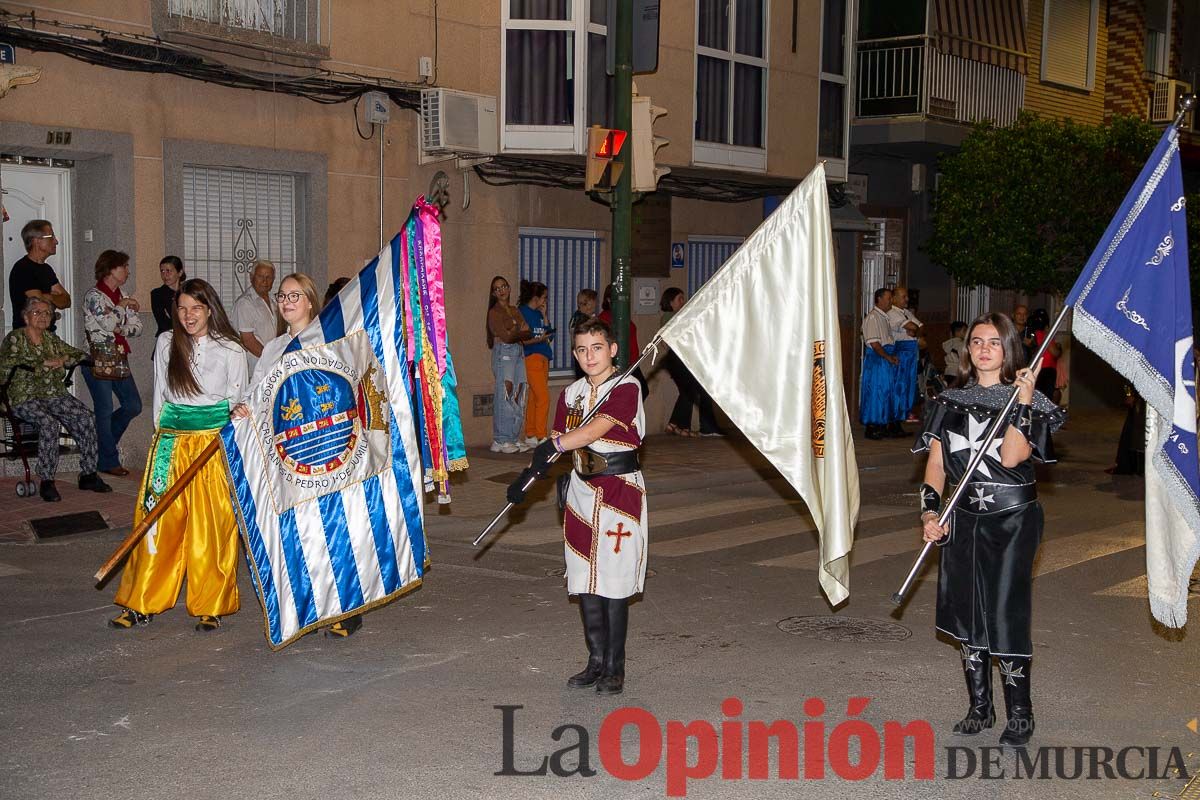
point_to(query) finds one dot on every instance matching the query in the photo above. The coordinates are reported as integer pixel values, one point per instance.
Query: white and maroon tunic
(605, 520)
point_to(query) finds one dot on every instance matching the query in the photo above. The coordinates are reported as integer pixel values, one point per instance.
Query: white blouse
(219, 366)
(272, 352)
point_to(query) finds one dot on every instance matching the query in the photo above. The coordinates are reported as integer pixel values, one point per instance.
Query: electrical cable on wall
(357, 128)
(510, 171)
(140, 53)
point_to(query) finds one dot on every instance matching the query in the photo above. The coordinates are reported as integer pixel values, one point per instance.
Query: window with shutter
(233, 218)
(706, 255)
(1069, 42)
(566, 261)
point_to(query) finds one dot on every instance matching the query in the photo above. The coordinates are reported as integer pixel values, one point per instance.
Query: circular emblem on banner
(319, 419)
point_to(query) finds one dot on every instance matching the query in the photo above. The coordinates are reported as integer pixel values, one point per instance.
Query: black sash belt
(981, 498)
(589, 463)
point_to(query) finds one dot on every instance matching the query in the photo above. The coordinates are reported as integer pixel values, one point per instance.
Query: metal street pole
(622, 219)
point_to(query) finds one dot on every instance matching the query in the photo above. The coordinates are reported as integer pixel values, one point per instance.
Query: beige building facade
(202, 148)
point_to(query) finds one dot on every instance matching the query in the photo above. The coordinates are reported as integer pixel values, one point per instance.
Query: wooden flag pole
(173, 492)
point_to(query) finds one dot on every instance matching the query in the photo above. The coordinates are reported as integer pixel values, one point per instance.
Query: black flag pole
(652, 347)
(976, 457)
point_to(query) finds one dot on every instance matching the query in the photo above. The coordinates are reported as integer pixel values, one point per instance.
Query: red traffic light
(610, 145)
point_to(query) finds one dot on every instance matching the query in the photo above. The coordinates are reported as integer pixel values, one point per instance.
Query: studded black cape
(985, 577)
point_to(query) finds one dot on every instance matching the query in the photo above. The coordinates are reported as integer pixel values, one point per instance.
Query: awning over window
(990, 31)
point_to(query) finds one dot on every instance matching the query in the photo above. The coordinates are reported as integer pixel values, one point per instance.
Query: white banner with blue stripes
(326, 470)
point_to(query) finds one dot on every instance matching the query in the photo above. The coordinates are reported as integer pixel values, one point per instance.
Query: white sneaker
(524, 447)
(497, 447)
(533, 441)
(509, 447)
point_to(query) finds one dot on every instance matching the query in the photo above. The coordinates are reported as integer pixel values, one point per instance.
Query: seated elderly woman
(39, 396)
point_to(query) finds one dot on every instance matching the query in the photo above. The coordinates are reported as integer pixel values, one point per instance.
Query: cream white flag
(762, 337)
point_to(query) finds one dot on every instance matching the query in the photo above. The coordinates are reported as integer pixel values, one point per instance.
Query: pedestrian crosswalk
(545, 534)
(782, 533)
(749, 534)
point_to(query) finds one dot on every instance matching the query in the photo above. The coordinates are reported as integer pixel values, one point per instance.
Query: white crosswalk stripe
(1053, 556)
(1069, 551)
(545, 534)
(865, 550)
(1056, 553)
(749, 534)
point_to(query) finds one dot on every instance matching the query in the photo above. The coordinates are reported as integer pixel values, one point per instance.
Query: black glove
(541, 457)
(516, 489)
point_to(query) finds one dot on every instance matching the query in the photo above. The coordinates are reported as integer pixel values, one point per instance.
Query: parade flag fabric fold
(423, 297)
(327, 472)
(762, 337)
(1132, 306)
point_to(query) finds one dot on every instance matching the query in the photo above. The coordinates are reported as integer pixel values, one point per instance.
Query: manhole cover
(844, 629)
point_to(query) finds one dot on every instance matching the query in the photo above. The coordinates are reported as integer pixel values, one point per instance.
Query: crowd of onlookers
(34, 360)
(521, 339)
(899, 372)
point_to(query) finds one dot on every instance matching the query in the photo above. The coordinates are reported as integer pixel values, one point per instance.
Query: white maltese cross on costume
(970, 657)
(981, 500)
(977, 430)
(1010, 674)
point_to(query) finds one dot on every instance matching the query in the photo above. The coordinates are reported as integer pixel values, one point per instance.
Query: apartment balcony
(909, 91)
(297, 30)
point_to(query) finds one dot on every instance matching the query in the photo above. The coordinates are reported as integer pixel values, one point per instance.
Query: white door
(31, 192)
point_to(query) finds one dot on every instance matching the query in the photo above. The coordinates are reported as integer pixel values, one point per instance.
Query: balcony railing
(299, 21)
(908, 75)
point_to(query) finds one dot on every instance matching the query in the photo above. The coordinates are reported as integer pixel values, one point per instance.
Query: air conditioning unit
(1164, 102)
(458, 122)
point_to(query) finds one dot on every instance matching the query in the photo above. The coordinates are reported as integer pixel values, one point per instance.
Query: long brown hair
(179, 366)
(491, 338)
(1010, 340)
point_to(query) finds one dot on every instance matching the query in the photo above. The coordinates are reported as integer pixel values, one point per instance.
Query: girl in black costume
(985, 579)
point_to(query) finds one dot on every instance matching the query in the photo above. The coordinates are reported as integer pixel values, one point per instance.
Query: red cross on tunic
(620, 533)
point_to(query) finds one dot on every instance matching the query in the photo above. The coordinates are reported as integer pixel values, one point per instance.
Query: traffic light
(603, 168)
(646, 145)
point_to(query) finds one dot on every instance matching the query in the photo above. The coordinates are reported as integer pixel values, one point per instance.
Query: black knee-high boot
(977, 667)
(617, 615)
(1014, 674)
(595, 633)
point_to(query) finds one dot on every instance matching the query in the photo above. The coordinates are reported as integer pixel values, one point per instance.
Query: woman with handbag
(108, 318)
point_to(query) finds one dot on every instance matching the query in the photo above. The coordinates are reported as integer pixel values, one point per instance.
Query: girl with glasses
(298, 304)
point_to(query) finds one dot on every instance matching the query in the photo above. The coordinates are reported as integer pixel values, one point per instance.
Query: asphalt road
(409, 706)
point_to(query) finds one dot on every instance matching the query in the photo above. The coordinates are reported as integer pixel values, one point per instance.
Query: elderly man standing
(254, 313)
(879, 367)
(905, 330)
(31, 276)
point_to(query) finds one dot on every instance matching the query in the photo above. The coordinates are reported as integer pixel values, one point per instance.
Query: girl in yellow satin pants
(200, 368)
